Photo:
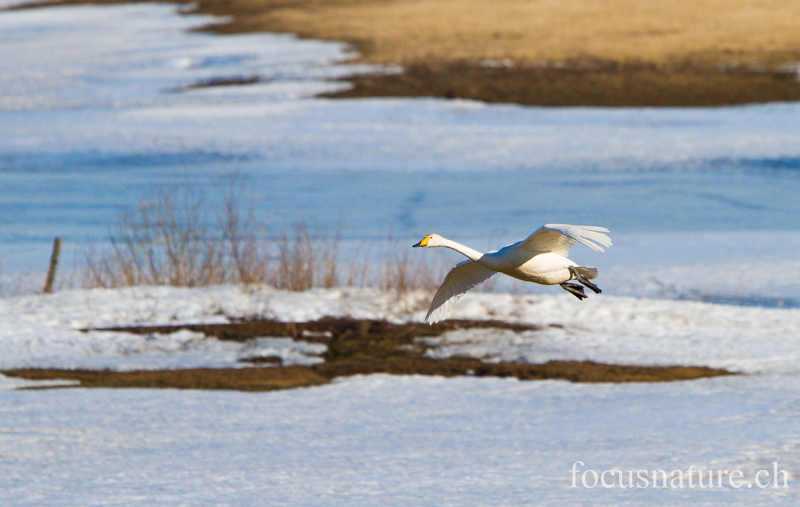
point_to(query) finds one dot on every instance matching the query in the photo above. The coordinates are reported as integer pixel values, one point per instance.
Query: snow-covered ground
(49, 330)
(386, 440)
(699, 201)
(400, 441)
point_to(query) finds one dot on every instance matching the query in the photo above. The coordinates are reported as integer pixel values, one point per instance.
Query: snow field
(46, 330)
(397, 441)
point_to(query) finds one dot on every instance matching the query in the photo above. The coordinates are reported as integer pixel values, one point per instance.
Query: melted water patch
(758, 301)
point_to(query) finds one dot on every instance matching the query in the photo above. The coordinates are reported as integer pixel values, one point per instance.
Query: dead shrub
(166, 240)
(172, 238)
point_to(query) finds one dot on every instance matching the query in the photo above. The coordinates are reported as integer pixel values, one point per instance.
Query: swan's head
(431, 240)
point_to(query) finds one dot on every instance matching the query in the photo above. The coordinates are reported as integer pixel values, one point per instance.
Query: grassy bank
(755, 32)
(547, 52)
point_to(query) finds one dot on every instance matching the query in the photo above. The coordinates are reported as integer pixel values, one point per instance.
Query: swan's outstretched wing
(464, 276)
(559, 238)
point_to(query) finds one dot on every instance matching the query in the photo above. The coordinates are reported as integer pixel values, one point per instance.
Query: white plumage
(540, 258)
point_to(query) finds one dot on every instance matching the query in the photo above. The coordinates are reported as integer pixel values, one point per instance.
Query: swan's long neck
(463, 250)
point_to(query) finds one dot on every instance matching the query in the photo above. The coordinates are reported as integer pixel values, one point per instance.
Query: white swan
(540, 258)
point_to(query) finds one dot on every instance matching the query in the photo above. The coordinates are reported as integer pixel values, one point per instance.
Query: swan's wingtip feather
(592, 236)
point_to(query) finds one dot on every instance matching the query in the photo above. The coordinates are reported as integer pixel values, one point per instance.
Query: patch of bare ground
(357, 347)
(606, 84)
(240, 379)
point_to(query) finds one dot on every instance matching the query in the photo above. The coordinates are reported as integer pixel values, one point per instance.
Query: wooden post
(51, 273)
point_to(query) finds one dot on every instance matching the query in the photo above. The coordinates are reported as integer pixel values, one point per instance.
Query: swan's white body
(540, 258)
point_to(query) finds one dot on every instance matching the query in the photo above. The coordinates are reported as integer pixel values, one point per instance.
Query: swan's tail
(588, 273)
(583, 275)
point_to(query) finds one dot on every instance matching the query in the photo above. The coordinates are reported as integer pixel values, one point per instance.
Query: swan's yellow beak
(424, 242)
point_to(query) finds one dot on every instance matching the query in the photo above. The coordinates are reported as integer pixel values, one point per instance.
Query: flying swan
(540, 258)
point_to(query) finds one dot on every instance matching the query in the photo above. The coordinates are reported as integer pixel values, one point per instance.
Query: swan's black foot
(578, 275)
(574, 289)
(592, 286)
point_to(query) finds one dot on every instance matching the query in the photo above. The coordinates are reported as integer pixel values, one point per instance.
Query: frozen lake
(92, 118)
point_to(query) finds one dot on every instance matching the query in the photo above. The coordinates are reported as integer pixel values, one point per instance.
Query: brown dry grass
(615, 52)
(174, 237)
(405, 31)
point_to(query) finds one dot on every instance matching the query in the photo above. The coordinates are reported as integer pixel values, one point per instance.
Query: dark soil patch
(242, 379)
(358, 347)
(285, 377)
(331, 331)
(218, 81)
(606, 84)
